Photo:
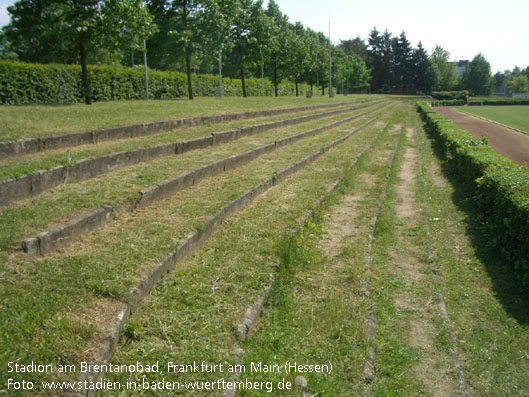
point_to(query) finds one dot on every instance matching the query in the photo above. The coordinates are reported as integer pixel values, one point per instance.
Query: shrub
(24, 83)
(451, 102)
(451, 95)
(499, 186)
(497, 101)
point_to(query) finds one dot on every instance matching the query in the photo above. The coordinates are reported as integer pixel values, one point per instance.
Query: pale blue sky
(498, 29)
(463, 27)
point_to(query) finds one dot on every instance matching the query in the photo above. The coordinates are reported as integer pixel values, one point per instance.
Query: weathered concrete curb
(49, 240)
(32, 145)
(149, 280)
(171, 186)
(253, 312)
(30, 185)
(369, 365)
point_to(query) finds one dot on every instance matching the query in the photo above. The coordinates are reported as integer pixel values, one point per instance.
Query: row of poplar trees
(194, 36)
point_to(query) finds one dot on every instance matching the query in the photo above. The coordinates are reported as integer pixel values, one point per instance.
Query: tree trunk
(84, 74)
(322, 89)
(241, 70)
(296, 81)
(275, 80)
(188, 70)
(243, 83)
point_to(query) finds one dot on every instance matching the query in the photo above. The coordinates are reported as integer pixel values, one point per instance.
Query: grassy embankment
(42, 120)
(316, 312)
(61, 300)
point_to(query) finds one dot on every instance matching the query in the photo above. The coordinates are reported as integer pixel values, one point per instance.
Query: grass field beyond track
(513, 116)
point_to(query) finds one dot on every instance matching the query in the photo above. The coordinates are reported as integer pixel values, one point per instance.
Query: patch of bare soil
(406, 205)
(98, 315)
(342, 226)
(367, 179)
(431, 368)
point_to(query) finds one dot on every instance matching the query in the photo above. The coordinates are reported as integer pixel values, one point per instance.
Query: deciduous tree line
(234, 38)
(512, 82)
(238, 37)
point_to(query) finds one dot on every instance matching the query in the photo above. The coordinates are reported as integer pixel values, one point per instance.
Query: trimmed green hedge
(451, 95)
(24, 83)
(497, 101)
(452, 102)
(500, 187)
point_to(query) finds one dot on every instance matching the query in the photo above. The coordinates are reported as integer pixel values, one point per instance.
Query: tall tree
(380, 60)
(216, 18)
(180, 36)
(243, 35)
(424, 77)
(279, 43)
(67, 31)
(316, 53)
(500, 82)
(518, 84)
(477, 77)
(402, 67)
(360, 77)
(297, 53)
(446, 76)
(375, 59)
(355, 46)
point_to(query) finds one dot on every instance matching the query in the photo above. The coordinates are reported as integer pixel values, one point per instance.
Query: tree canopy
(239, 37)
(70, 31)
(477, 78)
(396, 66)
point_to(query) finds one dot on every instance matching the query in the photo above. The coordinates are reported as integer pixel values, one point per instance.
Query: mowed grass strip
(14, 167)
(317, 313)
(44, 120)
(512, 116)
(193, 314)
(413, 352)
(60, 299)
(486, 303)
(29, 217)
(393, 359)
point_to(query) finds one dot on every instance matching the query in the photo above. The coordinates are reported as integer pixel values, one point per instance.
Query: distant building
(460, 66)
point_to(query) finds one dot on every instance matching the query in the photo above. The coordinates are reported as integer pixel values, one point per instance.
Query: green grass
(43, 120)
(513, 116)
(23, 220)
(317, 314)
(16, 166)
(47, 315)
(55, 309)
(211, 290)
(487, 304)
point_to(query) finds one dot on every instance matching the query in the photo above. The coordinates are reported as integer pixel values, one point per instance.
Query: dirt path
(416, 301)
(504, 140)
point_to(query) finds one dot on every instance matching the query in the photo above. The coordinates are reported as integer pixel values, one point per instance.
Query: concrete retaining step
(33, 145)
(145, 285)
(30, 185)
(58, 236)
